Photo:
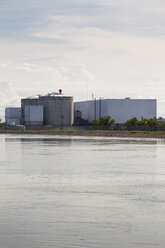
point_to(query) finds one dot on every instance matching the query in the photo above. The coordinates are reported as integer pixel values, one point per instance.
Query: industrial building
(53, 109)
(32, 115)
(12, 116)
(58, 110)
(119, 109)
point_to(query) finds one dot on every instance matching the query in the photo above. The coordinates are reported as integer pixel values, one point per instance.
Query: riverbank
(95, 133)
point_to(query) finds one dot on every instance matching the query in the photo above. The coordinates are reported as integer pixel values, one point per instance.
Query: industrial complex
(58, 110)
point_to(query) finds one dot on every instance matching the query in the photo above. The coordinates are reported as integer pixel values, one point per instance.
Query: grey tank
(58, 110)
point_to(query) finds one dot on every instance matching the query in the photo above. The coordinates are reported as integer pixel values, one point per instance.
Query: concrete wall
(119, 109)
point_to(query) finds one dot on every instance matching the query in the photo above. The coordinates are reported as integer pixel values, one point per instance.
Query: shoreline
(94, 133)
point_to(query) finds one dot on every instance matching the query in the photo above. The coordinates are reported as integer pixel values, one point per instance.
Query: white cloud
(8, 97)
(77, 72)
(106, 47)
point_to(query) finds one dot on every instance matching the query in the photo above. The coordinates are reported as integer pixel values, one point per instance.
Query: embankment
(96, 133)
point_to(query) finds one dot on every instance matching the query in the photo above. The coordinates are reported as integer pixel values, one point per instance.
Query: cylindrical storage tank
(58, 110)
(12, 115)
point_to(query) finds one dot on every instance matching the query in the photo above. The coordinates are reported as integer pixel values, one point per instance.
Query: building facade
(119, 109)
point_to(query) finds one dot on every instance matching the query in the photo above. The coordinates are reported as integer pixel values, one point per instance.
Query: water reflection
(81, 192)
(80, 139)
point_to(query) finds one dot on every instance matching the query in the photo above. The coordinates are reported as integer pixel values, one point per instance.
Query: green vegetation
(103, 123)
(143, 124)
(133, 124)
(2, 124)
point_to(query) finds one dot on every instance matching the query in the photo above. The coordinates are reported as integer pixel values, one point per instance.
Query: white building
(119, 109)
(12, 116)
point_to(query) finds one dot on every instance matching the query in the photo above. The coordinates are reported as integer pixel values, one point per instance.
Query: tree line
(144, 124)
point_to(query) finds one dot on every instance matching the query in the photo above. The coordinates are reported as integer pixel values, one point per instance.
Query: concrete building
(119, 109)
(56, 109)
(33, 115)
(12, 116)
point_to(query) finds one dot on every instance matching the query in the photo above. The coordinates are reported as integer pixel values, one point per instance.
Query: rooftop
(52, 94)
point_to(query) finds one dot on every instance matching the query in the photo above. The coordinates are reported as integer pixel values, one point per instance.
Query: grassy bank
(101, 133)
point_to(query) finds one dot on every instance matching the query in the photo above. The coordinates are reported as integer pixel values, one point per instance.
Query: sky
(108, 48)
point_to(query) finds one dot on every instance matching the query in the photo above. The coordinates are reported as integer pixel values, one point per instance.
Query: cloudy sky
(111, 48)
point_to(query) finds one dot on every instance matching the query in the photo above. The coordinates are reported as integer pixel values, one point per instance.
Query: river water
(66, 192)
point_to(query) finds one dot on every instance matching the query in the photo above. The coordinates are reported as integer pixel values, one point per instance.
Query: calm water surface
(66, 192)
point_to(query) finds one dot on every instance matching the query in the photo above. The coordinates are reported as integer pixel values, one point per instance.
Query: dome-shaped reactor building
(53, 109)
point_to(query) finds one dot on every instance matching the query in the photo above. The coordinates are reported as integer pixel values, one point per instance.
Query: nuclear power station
(58, 110)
